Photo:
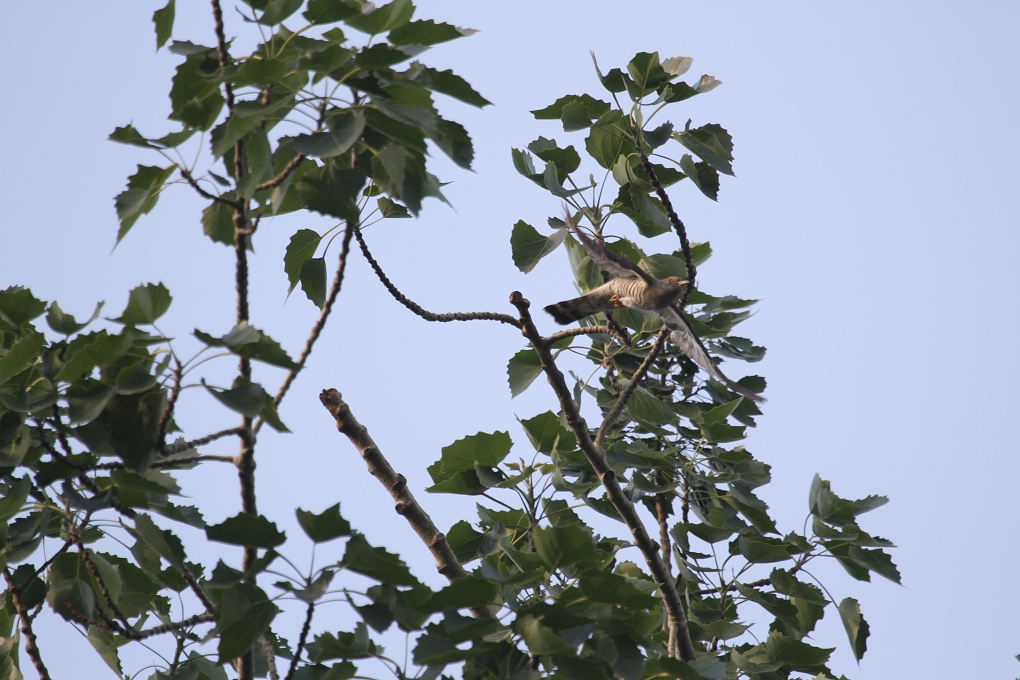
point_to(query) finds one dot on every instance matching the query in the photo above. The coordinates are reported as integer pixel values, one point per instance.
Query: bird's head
(676, 281)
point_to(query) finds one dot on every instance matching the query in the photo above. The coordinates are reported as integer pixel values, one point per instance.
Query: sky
(873, 213)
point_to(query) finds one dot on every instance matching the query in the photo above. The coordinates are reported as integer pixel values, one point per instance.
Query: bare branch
(586, 330)
(680, 640)
(179, 625)
(428, 316)
(202, 441)
(446, 561)
(635, 380)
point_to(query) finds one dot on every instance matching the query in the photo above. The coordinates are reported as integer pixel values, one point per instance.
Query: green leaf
(64, 323)
(247, 341)
(72, 599)
(529, 246)
(164, 543)
(325, 526)
(857, 628)
(141, 195)
(427, 32)
(647, 72)
(547, 434)
(249, 399)
(478, 449)
(106, 644)
(471, 591)
(356, 645)
(522, 370)
(218, 221)
(345, 129)
(566, 545)
(540, 638)
(302, 246)
(376, 563)
(330, 190)
(452, 138)
(21, 355)
(385, 18)
(313, 280)
(164, 22)
(146, 303)
(243, 615)
(609, 139)
(796, 655)
(704, 176)
(18, 306)
(195, 96)
(647, 408)
(331, 11)
(569, 108)
(446, 82)
(247, 530)
(712, 144)
(14, 497)
(390, 208)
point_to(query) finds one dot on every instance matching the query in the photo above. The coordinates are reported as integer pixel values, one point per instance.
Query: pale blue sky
(873, 212)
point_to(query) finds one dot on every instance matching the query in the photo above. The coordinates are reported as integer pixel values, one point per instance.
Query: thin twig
(406, 505)
(585, 330)
(417, 309)
(179, 625)
(170, 462)
(201, 441)
(186, 174)
(279, 179)
(635, 380)
(679, 634)
(320, 323)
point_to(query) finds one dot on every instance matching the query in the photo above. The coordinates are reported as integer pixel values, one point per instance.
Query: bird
(635, 288)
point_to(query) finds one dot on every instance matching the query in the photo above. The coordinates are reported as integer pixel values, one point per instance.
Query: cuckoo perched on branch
(635, 288)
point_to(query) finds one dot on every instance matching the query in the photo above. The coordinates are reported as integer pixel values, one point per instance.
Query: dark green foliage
(91, 450)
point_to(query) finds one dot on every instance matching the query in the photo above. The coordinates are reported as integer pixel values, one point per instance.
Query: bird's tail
(569, 311)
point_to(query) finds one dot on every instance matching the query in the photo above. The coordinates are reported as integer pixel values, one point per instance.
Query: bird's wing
(607, 260)
(683, 335)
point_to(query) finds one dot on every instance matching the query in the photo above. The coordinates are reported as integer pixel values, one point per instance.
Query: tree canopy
(618, 534)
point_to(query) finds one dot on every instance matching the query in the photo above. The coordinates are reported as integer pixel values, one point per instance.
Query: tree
(538, 582)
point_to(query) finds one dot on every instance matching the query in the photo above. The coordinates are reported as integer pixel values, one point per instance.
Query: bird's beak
(681, 283)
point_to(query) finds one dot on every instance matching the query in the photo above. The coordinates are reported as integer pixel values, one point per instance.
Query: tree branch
(428, 316)
(446, 561)
(31, 644)
(680, 639)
